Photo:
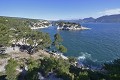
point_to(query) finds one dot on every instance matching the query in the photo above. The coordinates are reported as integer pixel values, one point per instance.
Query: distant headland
(102, 19)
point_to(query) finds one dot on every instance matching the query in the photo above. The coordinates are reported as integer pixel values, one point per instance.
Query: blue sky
(58, 9)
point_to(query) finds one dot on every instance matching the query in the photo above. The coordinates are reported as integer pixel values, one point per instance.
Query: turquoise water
(101, 43)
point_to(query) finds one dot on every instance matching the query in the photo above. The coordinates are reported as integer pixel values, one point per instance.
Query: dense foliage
(4, 34)
(58, 43)
(15, 30)
(67, 24)
(33, 68)
(113, 70)
(11, 70)
(63, 69)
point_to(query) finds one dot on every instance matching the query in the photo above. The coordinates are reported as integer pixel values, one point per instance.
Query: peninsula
(27, 54)
(40, 24)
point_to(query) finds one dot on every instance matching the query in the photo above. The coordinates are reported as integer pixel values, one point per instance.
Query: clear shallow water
(101, 43)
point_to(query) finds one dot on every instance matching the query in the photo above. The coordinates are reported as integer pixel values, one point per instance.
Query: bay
(101, 43)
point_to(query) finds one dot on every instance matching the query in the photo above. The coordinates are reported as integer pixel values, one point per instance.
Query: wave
(84, 55)
(87, 60)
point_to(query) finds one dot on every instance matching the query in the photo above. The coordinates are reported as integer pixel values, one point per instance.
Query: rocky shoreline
(68, 28)
(40, 24)
(39, 27)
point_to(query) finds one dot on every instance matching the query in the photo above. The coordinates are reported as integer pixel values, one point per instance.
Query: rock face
(40, 24)
(69, 26)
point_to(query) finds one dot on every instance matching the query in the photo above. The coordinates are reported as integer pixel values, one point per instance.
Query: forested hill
(16, 21)
(13, 30)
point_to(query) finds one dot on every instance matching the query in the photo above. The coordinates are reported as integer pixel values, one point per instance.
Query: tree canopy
(4, 35)
(58, 43)
(11, 70)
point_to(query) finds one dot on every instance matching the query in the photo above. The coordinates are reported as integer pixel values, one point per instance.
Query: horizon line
(53, 19)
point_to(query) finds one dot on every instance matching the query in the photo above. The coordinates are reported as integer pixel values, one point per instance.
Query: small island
(27, 54)
(69, 26)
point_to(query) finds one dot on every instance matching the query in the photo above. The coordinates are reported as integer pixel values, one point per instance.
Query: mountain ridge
(103, 19)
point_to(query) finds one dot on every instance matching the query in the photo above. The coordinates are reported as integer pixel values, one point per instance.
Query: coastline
(81, 28)
(85, 28)
(39, 27)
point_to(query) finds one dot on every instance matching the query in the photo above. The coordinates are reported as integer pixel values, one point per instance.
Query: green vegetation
(58, 43)
(33, 67)
(62, 49)
(63, 69)
(13, 30)
(2, 56)
(66, 24)
(4, 35)
(113, 70)
(46, 42)
(11, 70)
(58, 66)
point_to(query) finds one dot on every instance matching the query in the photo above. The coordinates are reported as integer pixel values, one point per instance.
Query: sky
(58, 9)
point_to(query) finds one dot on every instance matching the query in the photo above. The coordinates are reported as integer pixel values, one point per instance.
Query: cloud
(110, 11)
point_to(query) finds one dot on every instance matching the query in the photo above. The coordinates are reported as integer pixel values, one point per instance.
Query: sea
(100, 44)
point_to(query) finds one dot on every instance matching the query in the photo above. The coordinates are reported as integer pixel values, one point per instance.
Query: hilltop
(32, 23)
(103, 19)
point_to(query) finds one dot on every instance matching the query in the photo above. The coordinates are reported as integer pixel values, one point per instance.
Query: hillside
(102, 19)
(109, 19)
(16, 21)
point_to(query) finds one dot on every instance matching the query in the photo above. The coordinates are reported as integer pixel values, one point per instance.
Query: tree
(83, 76)
(62, 66)
(58, 43)
(4, 35)
(113, 69)
(11, 69)
(57, 39)
(62, 49)
(33, 68)
(46, 40)
(72, 60)
(47, 65)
